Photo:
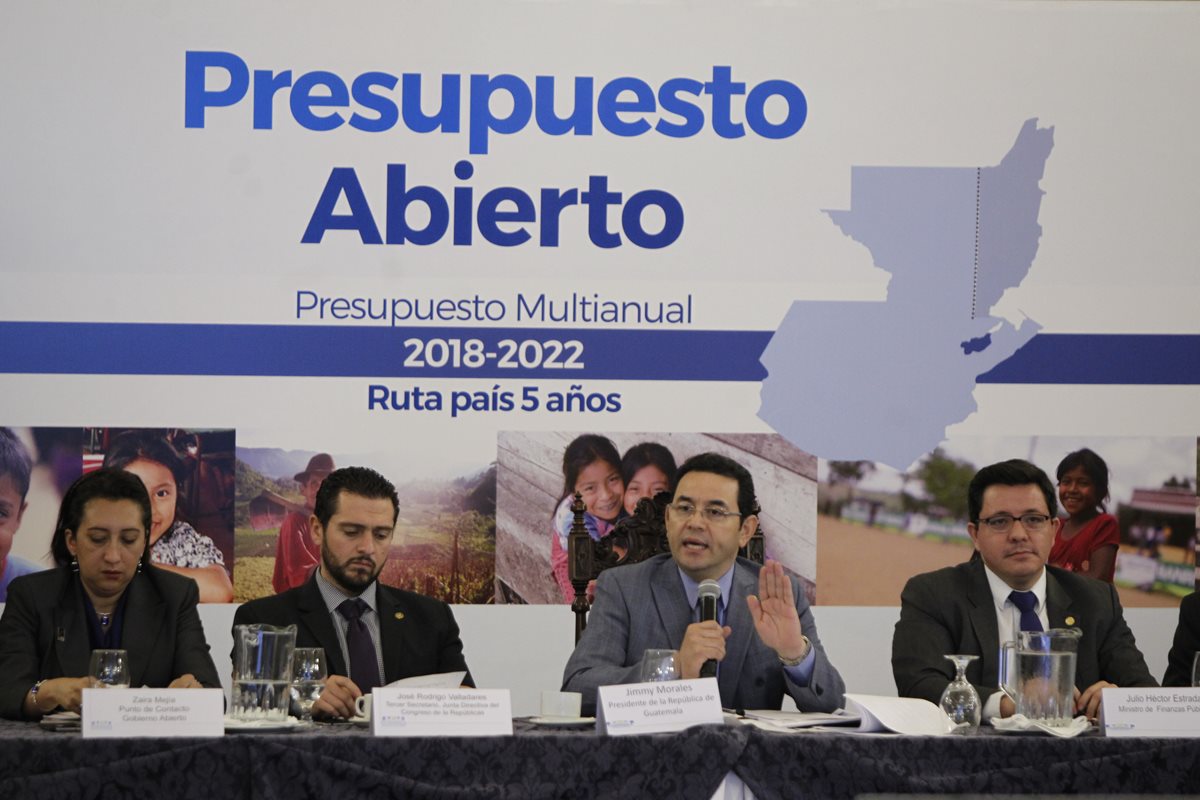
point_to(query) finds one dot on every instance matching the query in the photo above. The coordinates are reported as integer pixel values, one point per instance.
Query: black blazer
(44, 633)
(951, 610)
(418, 634)
(1187, 642)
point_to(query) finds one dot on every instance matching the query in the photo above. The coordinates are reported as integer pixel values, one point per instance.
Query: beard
(352, 582)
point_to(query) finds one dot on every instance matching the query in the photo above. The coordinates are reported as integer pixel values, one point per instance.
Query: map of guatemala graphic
(882, 380)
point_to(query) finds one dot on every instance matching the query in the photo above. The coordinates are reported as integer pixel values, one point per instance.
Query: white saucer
(564, 722)
(62, 721)
(364, 721)
(263, 726)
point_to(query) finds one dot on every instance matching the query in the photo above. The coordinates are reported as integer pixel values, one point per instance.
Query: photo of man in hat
(295, 552)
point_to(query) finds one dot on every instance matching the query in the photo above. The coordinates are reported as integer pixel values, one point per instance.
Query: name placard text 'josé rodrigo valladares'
(219, 82)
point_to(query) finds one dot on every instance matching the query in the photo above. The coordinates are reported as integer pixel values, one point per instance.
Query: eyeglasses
(1002, 523)
(713, 514)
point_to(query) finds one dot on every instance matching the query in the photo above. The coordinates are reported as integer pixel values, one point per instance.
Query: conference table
(341, 760)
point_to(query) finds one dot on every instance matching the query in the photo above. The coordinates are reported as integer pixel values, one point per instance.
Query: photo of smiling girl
(1089, 537)
(175, 545)
(648, 468)
(592, 467)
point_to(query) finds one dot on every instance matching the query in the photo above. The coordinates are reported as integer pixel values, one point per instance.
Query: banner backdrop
(396, 234)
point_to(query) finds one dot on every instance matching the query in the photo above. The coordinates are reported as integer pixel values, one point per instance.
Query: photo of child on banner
(444, 545)
(1116, 495)
(531, 570)
(36, 466)
(189, 476)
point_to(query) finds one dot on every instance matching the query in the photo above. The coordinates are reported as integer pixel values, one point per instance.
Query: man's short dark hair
(727, 467)
(106, 483)
(362, 481)
(15, 461)
(1014, 472)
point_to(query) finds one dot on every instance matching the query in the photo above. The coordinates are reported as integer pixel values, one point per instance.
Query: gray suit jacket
(643, 606)
(44, 633)
(418, 634)
(951, 611)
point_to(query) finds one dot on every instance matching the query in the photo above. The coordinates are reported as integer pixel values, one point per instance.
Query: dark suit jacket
(44, 633)
(644, 606)
(1187, 642)
(418, 634)
(951, 610)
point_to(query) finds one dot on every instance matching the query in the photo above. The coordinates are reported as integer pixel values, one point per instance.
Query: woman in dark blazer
(104, 594)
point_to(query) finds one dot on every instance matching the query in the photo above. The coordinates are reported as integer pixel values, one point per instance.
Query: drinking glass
(960, 701)
(659, 665)
(1196, 670)
(109, 669)
(309, 671)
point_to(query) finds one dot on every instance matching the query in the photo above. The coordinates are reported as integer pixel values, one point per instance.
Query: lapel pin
(60, 634)
(399, 615)
(1070, 620)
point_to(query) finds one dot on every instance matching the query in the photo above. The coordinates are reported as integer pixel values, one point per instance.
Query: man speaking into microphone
(753, 629)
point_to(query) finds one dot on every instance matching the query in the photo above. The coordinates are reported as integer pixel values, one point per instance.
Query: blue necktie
(364, 663)
(1027, 603)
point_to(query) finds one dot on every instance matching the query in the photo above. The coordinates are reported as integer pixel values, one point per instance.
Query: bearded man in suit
(372, 634)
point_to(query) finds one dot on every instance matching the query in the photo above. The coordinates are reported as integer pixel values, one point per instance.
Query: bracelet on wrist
(795, 662)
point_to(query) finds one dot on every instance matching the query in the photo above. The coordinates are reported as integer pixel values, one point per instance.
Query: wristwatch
(795, 662)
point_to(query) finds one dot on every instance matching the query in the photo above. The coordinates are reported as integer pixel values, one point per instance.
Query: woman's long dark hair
(144, 445)
(101, 484)
(647, 454)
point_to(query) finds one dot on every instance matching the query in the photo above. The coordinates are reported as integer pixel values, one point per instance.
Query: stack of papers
(62, 721)
(864, 713)
(794, 720)
(440, 680)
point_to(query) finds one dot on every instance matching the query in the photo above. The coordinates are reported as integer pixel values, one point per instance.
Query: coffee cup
(362, 705)
(561, 705)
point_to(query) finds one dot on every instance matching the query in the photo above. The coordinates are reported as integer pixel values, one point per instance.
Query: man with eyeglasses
(764, 639)
(1006, 588)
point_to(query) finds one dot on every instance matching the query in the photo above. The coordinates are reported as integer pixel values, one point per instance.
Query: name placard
(658, 707)
(111, 713)
(1151, 712)
(441, 712)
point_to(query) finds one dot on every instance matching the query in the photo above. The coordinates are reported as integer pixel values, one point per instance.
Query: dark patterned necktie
(364, 662)
(1027, 603)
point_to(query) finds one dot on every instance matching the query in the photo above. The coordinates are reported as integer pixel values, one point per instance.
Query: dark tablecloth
(341, 761)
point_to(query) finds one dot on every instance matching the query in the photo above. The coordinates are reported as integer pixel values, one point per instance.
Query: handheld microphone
(709, 594)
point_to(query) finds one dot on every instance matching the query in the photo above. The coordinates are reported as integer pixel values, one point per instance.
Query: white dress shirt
(1008, 622)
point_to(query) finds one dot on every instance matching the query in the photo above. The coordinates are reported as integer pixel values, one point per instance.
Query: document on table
(442, 680)
(864, 713)
(795, 720)
(909, 715)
